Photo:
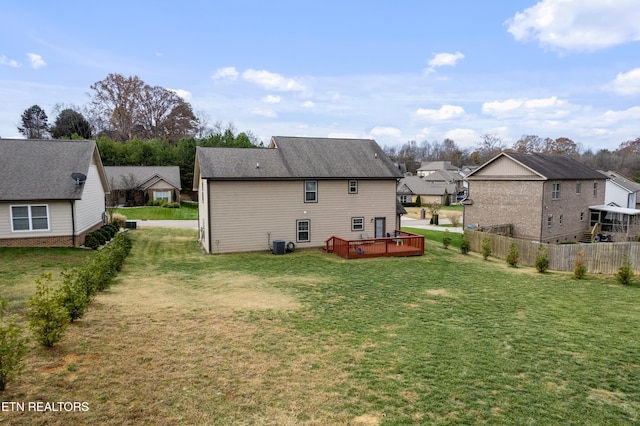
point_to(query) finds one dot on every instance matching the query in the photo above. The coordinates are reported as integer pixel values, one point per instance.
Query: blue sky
(391, 71)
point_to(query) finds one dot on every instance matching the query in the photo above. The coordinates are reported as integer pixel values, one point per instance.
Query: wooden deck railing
(402, 244)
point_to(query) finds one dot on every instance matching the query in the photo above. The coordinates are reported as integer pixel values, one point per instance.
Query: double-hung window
(555, 191)
(303, 230)
(357, 224)
(353, 186)
(310, 191)
(30, 218)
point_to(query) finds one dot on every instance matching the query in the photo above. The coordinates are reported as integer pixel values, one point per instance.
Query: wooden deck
(403, 244)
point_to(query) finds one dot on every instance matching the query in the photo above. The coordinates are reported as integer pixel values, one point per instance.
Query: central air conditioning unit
(278, 247)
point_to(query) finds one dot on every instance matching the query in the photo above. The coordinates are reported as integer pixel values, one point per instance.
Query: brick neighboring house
(300, 190)
(52, 193)
(545, 197)
(135, 185)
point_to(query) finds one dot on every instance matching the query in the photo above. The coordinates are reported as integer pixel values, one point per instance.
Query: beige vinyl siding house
(52, 193)
(545, 197)
(300, 190)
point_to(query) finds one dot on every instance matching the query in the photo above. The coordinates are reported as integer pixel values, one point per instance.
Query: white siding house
(52, 192)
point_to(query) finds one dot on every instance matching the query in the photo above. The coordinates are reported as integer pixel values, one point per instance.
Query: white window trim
(353, 189)
(308, 230)
(30, 218)
(157, 198)
(555, 193)
(307, 191)
(356, 228)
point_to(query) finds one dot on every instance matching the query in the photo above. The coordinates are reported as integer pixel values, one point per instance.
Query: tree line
(625, 159)
(121, 108)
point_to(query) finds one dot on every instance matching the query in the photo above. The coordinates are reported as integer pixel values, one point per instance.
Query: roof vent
(257, 165)
(80, 178)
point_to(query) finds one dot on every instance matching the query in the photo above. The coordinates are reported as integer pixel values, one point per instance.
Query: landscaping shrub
(48, 319)
(465, 244)
(118, 220)
(13, 346)
(105, 234)
(73, 295)
(486, 248)
(513, 256)
(99, 236)
(110, 229)
(542, 259)
(91, 241)
(579, 268)
(446, 239)
(172, 205)
(625, 273)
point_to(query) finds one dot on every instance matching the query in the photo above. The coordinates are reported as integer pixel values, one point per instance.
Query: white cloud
(271, 99)
(611, 117)
(264, 112)
(446, 112)
(228, 73)
(36, 60)
(344, 135)
(627, 83)
(551, 107)
(308, 104)
(463, 137)
(386, 131)
(272, 81)
(9, 62)
(577, 24)
(184, 94)
(443, 59)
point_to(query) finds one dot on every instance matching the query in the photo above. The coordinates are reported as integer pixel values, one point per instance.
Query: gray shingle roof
(41, 169)
(418, 186)
(556, 166)
(294, 158)
(623, 181)
(142, 175)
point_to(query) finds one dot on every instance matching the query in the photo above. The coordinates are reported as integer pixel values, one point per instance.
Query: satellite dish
(80, 178)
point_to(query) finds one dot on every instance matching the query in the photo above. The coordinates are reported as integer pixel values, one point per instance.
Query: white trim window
(353, 186)
(303, 230)
(357, 224)
(310, 191)
(30, 218)
(161, 195)
(555, 191)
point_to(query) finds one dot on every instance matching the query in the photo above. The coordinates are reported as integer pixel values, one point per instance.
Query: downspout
(73, 222)
(209, 216)
(542, 212)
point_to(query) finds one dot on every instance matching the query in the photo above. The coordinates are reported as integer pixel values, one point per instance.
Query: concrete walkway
(167, 223)
(424, 224)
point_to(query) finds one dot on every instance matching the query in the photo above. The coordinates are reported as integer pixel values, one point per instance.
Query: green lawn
(310, 338)
(187, 211)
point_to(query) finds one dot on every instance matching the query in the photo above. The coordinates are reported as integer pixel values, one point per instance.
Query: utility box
(131, 224)
(278, 247)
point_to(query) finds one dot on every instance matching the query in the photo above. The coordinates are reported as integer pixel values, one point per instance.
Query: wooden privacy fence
(599, 258)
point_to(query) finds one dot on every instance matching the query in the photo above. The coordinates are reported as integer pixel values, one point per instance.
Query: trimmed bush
(13, 346)
(513, 256)
(542, 259)
(48, 319)
(579, 268)
(465, 244)
(73, 295)
(486, 248)
(91, 241)
(446, 239)
(625, 273)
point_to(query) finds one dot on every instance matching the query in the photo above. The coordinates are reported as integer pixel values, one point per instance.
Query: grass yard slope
(311, 339)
